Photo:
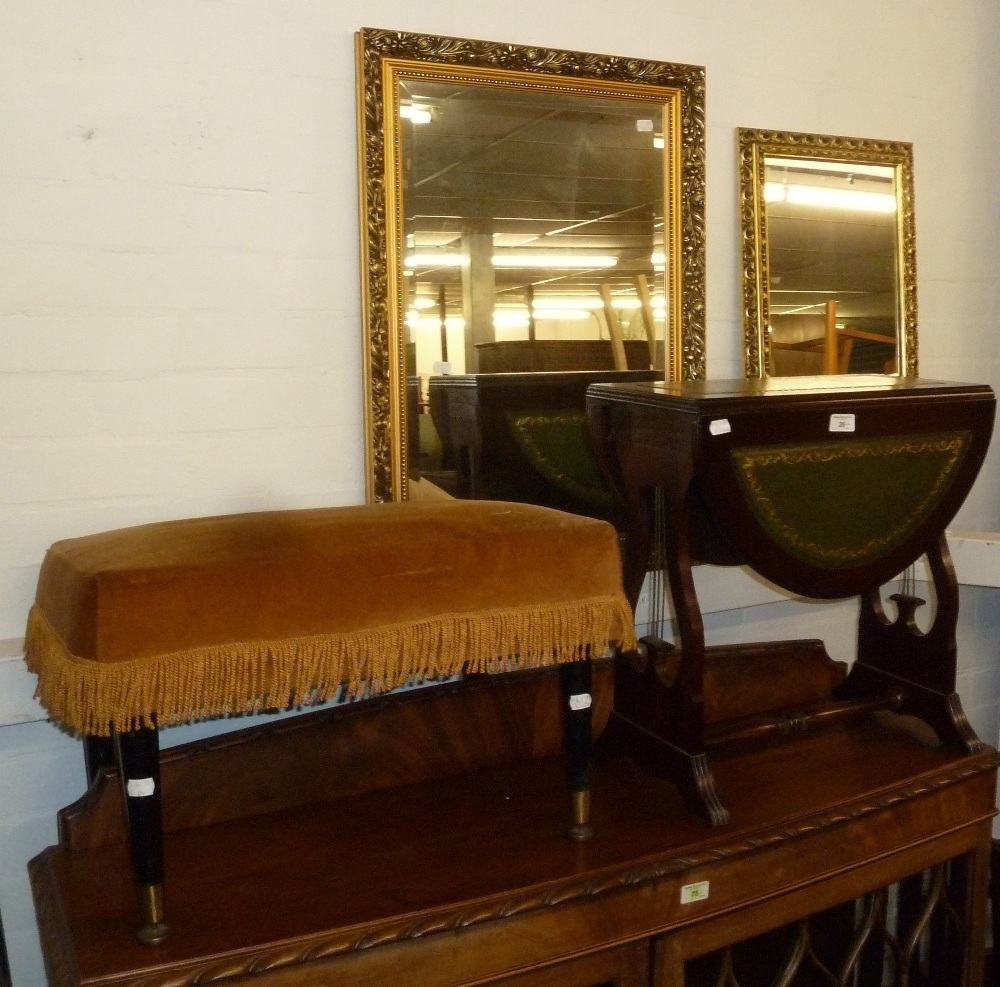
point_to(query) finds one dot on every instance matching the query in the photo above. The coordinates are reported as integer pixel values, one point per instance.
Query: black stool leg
(575, 678)
(139, 763)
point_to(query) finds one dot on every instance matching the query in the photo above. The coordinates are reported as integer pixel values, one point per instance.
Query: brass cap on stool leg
(581, 830)
(154, 930)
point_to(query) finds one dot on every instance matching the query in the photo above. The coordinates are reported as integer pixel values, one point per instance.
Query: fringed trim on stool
(201, 683)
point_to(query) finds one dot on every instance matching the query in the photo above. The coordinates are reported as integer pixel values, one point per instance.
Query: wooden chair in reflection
(813, 344)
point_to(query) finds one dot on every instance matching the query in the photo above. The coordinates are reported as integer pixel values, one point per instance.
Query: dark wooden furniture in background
(827, 486)
(555, 355)
(419, 839)
(488, 422)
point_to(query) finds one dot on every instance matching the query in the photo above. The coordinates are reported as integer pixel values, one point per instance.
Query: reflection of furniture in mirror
(810, 344)
(827, 219)
(523, 437)
(827, 486)
(547, 355)
(520, 193)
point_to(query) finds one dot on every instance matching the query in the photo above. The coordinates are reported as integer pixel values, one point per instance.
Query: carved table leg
(576, 690)
(644, 723)
(138, 754)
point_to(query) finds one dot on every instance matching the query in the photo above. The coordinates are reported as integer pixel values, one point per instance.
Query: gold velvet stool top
(185, 620)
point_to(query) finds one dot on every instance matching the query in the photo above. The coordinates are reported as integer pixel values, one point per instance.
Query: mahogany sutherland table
(420, 840)
(828, 487)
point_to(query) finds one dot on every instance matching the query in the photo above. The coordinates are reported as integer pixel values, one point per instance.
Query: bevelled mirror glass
(517, 198)
(829, 278)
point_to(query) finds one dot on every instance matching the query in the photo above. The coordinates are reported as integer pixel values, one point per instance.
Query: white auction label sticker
(138, 788)
(580, 701)
(841, 423)
(694, 892)
(720, 426)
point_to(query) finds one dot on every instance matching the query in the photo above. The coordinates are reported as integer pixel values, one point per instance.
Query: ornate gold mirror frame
(827, 236)
(667, 104)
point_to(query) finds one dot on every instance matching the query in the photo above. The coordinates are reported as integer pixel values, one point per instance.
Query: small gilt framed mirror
(514, 194)
(828, 245)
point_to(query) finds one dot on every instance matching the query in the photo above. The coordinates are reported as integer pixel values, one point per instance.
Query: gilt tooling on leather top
(183, 620)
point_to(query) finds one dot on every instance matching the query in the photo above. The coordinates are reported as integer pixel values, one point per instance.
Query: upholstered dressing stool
(165, 623)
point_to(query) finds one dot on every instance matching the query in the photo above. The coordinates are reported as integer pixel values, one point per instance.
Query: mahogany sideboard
(419, 839)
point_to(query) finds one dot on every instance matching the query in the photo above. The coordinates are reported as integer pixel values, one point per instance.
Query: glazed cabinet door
(923, 931)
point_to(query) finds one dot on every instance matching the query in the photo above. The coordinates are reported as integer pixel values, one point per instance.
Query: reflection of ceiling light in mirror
(658, 141)
(562, 303)
(510, 318)
(830, 198)
(562, 314)
(415, 113)
(424, 302)
(434, 260)
(624, 303)
(658, 259)
(539, 259)
(544, 259)
(427, 322)
(543, 305)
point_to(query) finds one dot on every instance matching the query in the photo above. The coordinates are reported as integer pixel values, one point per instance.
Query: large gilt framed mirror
(522, 209)
(829, 270)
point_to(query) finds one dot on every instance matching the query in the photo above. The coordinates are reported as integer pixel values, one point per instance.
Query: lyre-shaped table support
(896, 655)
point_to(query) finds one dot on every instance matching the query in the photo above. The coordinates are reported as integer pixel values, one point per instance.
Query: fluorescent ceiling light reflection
(428, 322)
(830, 198)
(434, 260)
(539, 259)
(543, 304)
(415, 113)
(508, 316)
(593, 303)
(544, 259)
(563, 314)
(511, 318)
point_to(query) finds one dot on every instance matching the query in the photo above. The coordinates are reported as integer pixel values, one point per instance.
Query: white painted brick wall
(179, 299)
